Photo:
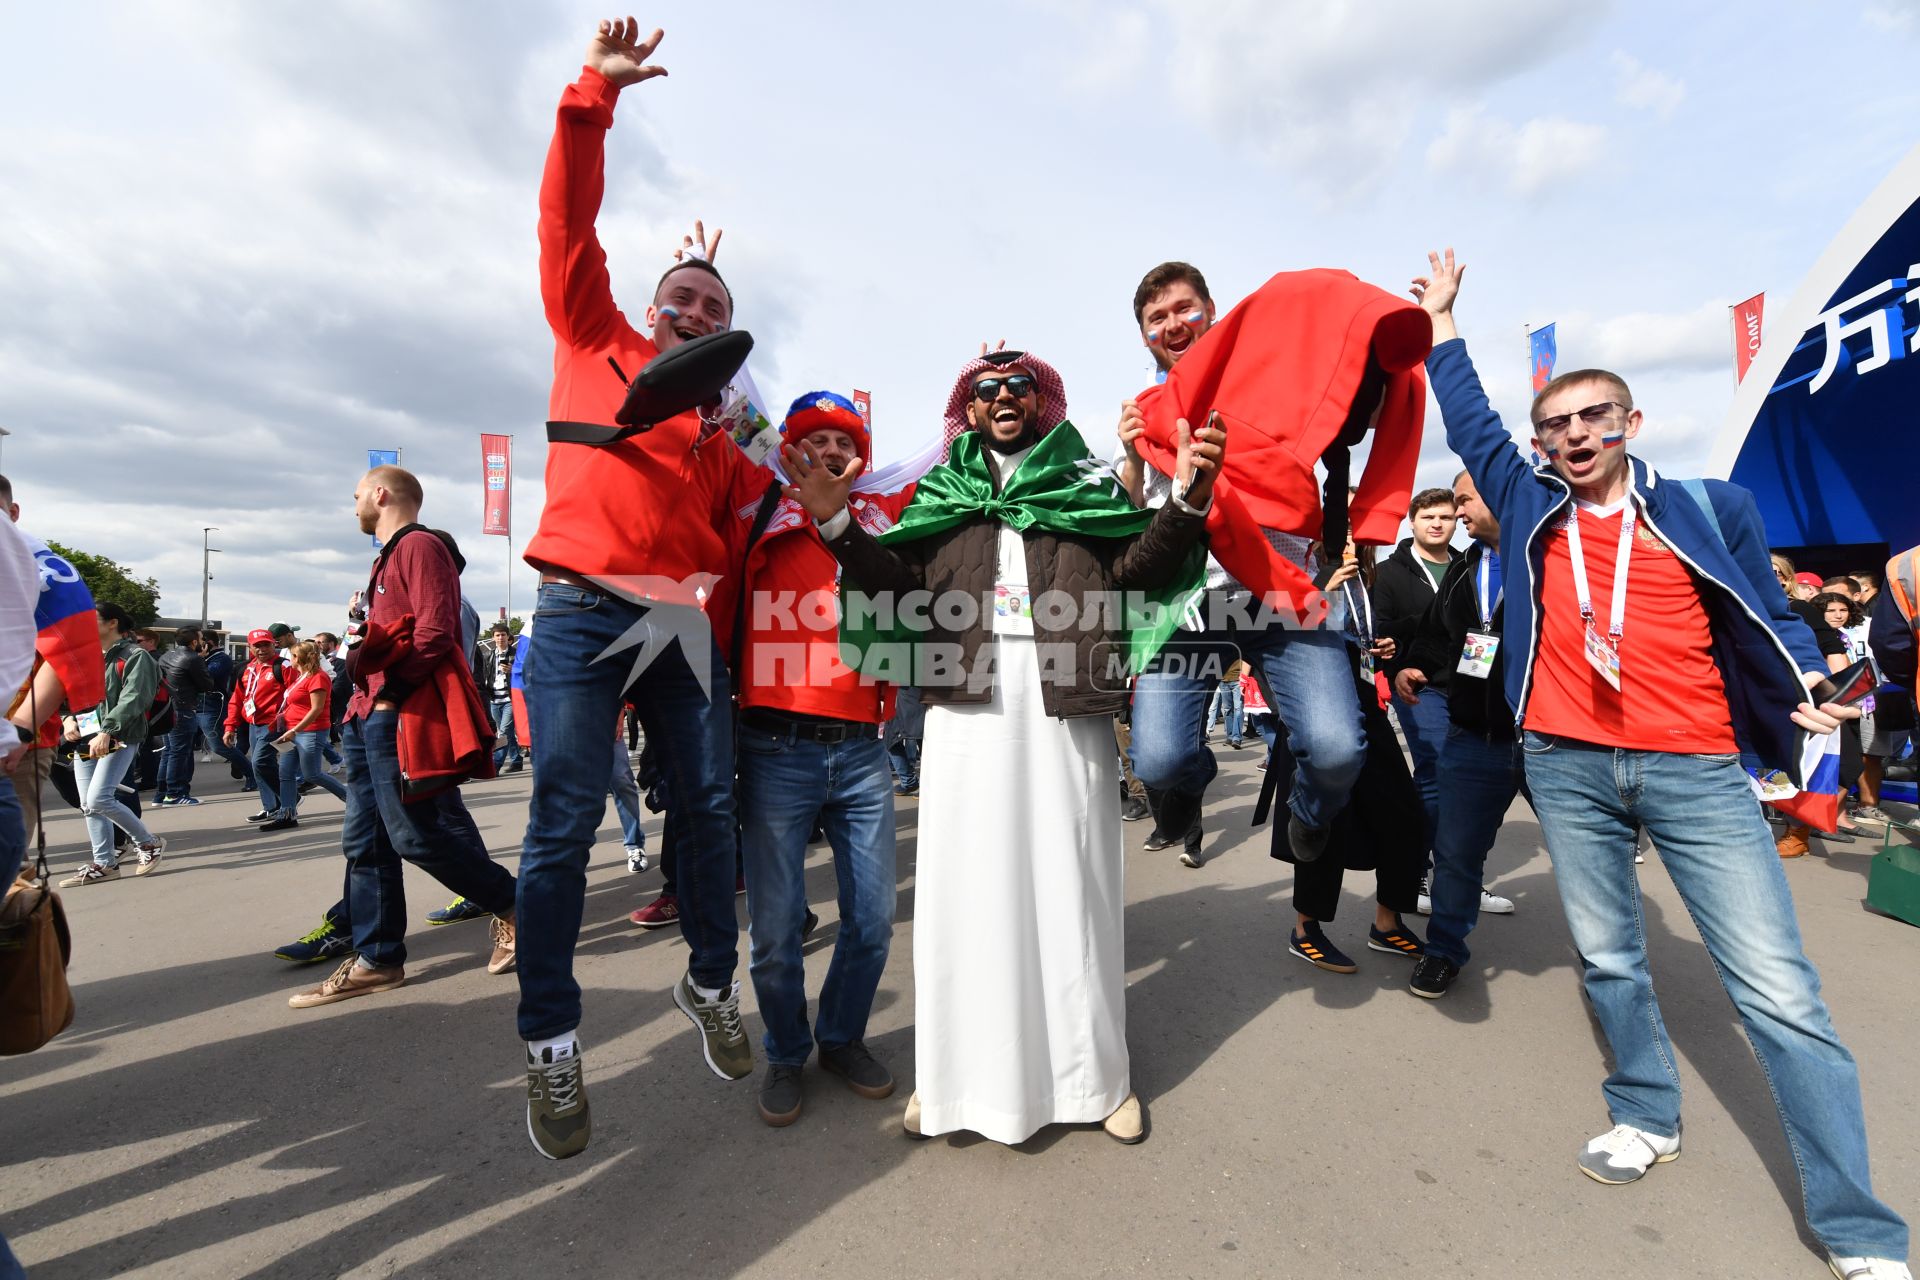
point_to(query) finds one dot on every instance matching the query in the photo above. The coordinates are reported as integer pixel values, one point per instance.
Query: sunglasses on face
(987, 390)
(1594, 415)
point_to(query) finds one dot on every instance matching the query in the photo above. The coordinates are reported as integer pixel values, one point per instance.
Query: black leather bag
(671, 383)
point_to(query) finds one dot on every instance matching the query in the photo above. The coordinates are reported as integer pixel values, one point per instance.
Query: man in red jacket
(1305, 670)
(812, 750)
(634, 536)
(251, 710)
(414, 576)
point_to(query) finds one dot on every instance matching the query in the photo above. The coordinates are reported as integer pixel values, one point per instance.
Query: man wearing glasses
(1655, 647)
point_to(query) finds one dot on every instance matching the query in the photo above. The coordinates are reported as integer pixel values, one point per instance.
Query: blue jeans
(626, 798)
(13, 839)
(785, 784)
(1483, 776)
(266, 765)
(1705, 822)
(435, 833)
(176, 758)
(211, 715)
(573, 698)
(98, 782)
(1312, 693)
(1426, 726)
(508, 750)
(310, 748)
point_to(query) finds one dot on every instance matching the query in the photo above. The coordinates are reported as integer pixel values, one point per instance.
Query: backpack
(160, 715)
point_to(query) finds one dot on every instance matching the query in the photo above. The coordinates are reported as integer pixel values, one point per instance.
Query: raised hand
(697, 245)
(1436, 292)
(619, 54)
(998, 346)
(823, 494)
(1133, 425)
(1199, 457)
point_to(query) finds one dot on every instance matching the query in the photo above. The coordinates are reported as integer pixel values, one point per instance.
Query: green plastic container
(1893, 886)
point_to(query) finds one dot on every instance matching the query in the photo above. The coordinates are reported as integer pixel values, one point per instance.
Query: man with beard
(1306, 670)
(1021, 538)
(634, 534)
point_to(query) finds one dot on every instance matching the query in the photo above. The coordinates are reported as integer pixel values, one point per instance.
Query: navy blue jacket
(1760, 647)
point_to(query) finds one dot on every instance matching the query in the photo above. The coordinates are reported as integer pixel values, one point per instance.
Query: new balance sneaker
(91, 873)
(723, 1041)
(1624, 1154)
(1494, 905)
(1867, 1268)
(146, 857)
(1397, 941)
(350, 980)
(456, 911)
(780, 1095)
(1432, 976)
(636, 859)
(865, 1074)
(658, 914)
(328, 942)
(558, 1121)
(1311, 945)
(503, 946)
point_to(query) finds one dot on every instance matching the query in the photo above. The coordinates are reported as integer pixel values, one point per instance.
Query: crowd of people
(955, 637)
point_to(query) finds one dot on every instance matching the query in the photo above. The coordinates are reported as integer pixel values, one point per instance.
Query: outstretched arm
(573, 267)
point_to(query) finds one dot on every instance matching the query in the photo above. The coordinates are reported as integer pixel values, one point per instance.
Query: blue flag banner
(1544, 350)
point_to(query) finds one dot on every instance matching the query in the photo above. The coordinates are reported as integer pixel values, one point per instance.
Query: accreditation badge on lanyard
(1603, 651)
(1482, 646)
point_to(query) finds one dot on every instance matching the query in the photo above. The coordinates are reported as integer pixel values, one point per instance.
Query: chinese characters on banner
(1746, 334)
(496, 457)
(1543, 350)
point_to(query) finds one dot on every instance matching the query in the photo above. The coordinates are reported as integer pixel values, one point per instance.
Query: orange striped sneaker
(1311, 945)
(1397, 941)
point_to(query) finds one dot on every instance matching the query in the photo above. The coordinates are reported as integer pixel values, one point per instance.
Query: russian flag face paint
(1190, 319)
(1613, 439)
(1553, 455)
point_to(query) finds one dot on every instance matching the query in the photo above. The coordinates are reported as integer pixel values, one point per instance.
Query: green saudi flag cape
(1061, 487)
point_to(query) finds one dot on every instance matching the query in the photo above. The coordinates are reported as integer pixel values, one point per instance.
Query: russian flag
(1818, 803)
(1544, 351)
(517, 687)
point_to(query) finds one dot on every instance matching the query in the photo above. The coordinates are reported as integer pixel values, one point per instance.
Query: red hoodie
(1282, 370)
(654, 506)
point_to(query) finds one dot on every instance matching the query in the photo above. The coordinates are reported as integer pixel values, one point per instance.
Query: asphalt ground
(1303, 1123)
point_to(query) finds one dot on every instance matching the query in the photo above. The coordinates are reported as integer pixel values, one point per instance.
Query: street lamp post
(206, 561)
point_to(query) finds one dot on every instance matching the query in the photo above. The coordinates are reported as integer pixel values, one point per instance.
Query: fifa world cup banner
(496, 469)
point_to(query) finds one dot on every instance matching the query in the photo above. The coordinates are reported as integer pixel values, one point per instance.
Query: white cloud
(1644, 88)
(1645, 341)
(1527, 159)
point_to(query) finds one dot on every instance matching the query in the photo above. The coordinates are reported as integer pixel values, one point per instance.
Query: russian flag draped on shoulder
(67, 636)
(1284, 369)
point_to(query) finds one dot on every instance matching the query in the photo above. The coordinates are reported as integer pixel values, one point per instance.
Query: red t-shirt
(300, 701)
(1671, 695)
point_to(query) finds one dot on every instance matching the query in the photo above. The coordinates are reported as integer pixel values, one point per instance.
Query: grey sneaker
(780, 1097)
(865, 1074)
(1624, 1154)
(557, 1117)
(723, 1042)
(1869, 813)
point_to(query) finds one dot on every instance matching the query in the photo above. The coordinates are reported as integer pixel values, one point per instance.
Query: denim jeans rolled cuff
(382, 830)
(784, 784)
(573, 696)
(98, 782)
(1310, 678)
(1717, 849)
(1483, 777)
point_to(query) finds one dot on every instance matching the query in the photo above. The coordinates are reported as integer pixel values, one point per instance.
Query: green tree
(514, 624)
(112, 582)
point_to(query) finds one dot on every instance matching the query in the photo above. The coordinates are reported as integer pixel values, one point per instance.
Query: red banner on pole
(863, 405)
(496, 470)
(1746, 334)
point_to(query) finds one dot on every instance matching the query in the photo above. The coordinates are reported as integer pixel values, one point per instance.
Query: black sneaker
(864, 1073)
(265, 815)
(1432, 975)
(1133, 809)
(1397, 941)
(1311, 945)
(1191, 856)
(557, 1117)
(1157, 840)
(287, 823)
(780, 1096)
(1308, 843)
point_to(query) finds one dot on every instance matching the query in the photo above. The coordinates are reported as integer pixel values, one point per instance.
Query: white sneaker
(636, 859)
(147, 856)
(1624, 1154)
(206, 757)
(1867, 1268)
(1494, 904)
(1423, 905)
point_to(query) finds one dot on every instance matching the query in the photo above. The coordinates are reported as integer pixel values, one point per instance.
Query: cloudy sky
(241, 243)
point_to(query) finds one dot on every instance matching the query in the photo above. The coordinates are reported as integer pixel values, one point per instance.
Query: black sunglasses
(987, 390)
